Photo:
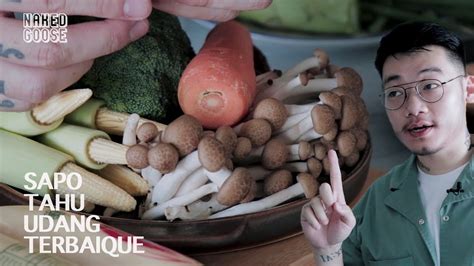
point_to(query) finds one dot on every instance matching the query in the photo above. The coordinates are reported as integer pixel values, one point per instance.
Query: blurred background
(349, 31)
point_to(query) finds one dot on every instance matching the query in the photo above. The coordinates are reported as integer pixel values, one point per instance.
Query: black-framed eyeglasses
(429, 90)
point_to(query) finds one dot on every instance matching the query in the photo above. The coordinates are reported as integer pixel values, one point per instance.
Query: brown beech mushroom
(130, 130)
(311, 135)
(346, 143)
(350, 113)
(363, 121)
(345, 76)
(273, 111)
(343, 90)
(212, 157)
(277, 181)
(294, 77)
(170, 182)
(304, 85)
(362, 138)
(147, 132)
(229, 164)
(158, 211)
(163, 157)
(307, 186)
(208, 133)
(235, 187)
(253, 192)
(319, 60)
(257, 130)
(296, 113)
(226, 135)
(315, 167)
(137, 156)
(242, 149)
(352, 159)
(184, 133)
(320, 151)
(211, 154)
(331, 70)
(321, 119)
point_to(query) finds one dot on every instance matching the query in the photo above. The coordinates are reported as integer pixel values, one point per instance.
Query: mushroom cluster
(277, 153)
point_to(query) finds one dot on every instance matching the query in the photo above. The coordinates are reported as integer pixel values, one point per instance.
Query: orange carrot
(218, 86)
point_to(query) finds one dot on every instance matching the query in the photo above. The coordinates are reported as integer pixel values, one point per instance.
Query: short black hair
(414, 36)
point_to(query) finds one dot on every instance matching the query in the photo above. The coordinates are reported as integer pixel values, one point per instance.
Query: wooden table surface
(292, 251)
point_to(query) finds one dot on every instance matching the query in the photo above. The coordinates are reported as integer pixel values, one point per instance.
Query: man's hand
(327, 220)
(30, 73)
(218, 10)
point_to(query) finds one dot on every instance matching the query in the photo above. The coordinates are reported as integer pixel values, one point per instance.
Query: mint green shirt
(392, 229)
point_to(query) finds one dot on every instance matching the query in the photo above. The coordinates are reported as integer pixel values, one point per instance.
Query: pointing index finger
(336, 179)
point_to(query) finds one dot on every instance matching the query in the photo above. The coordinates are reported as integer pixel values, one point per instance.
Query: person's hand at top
(217, 10)
(327, 220)
(30, 73)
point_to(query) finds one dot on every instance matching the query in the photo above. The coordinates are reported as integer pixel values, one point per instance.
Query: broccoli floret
(143, 77)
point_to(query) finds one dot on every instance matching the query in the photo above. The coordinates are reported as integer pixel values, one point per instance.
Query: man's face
(426, 128)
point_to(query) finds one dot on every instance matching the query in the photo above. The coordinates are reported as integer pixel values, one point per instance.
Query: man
(422, 211)
(31, 73)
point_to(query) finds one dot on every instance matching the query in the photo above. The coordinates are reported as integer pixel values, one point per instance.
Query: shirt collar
(408, 170)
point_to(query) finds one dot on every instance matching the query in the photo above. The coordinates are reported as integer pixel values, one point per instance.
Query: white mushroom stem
(202, 209)
(281, 90)
(151, 175)
(294, 109)
(310, 62)
(323, 84)
(292, 134)
(193, 181)
(159, 210)
(273, 200)
(263, 79)
(196, 210)
(290, 122)
(218, 177)
(309, 136)
(296, 167)
(170, 182)
(296, 114)
(130, 130)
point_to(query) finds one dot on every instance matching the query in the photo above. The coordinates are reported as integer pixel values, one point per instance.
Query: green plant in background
(328, 16)
(361, 16)
(379, 15)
